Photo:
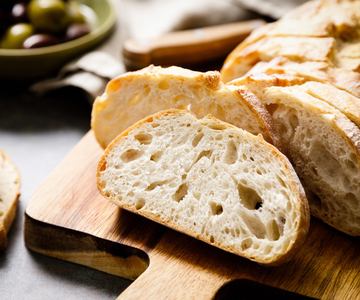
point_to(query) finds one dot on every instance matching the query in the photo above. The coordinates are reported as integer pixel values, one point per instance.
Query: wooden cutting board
(67, 218)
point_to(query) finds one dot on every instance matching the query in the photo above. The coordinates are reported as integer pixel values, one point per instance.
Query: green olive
(48, 15)
(15, 35)
(74, 12)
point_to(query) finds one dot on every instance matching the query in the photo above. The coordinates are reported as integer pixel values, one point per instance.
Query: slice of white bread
(348, 104)
(210, 180)
(9, 195)
(324, 147)
(135, 95)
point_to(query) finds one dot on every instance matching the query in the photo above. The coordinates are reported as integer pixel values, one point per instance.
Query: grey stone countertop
(37, 133)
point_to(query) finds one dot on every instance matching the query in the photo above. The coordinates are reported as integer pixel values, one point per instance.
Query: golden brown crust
(154, 89)
(320, 32)
(11, 197)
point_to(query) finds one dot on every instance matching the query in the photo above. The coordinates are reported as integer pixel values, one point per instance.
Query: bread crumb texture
(323, 145)
(210, 180)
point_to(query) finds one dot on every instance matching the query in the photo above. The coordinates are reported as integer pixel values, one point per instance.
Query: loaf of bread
(9, 195)
(320, 140)
(318, 40)
(135, 95)
(210, 180)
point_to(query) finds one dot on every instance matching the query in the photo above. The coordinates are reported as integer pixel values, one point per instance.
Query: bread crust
(9, 195)
(135, 95)
(300, 204)
(319, 40)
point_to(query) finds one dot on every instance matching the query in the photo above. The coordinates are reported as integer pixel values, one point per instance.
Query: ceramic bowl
(28, 64)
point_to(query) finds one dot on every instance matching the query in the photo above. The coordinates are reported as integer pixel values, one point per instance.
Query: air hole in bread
(197, 139)
(144, 138)
(231, 155)
(273, 233)
(217, 126)
(181, 141)
(246, 244)
(314, 200)
(281, 181)
(294, 121)
(131, 155)
(204, 153)
(156, 156)
(140, 203)
(212, 239)
(135, 99)
(351, 200)
(197, 195)
(154, 125)
(249, 198)
(326, 163)
(272, 108)
(254, 224)
(155, 184)
(216, 208)
(268, 249)
(180, 193)
(351, 165)
(163, 85)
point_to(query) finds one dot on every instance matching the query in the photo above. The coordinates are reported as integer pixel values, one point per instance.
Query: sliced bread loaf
(324, 147)
(319, 39)
(210, 180)
(135, 95)
(9, 194)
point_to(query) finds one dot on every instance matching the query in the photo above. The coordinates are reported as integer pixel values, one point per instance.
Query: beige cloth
(151, 18)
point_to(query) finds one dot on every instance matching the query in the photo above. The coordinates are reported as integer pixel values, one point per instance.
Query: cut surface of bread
(9, 194)
(210, 180)
(324, 146)
(322, 35)
(348, 104)
(135, 95)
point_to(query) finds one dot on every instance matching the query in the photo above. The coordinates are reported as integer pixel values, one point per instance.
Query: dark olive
(18, 13)
(48, 16)
(15, 35)
(75, 31)
(40, 40)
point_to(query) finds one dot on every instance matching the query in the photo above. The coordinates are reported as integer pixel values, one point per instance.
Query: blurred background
(45, 106)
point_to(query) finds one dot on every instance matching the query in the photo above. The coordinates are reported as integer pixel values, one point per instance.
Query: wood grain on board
(67, 218)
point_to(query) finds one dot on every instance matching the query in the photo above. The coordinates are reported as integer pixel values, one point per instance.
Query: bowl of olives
(37, 37)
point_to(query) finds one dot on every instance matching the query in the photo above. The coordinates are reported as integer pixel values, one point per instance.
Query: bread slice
(210, 180)
(324, 147)
(135, 95)
(9, 195)
(348, 104)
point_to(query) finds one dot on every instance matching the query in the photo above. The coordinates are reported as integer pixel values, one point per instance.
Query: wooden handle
(188, 47)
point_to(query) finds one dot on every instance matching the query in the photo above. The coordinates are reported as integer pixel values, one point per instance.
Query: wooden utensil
(188, 47)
